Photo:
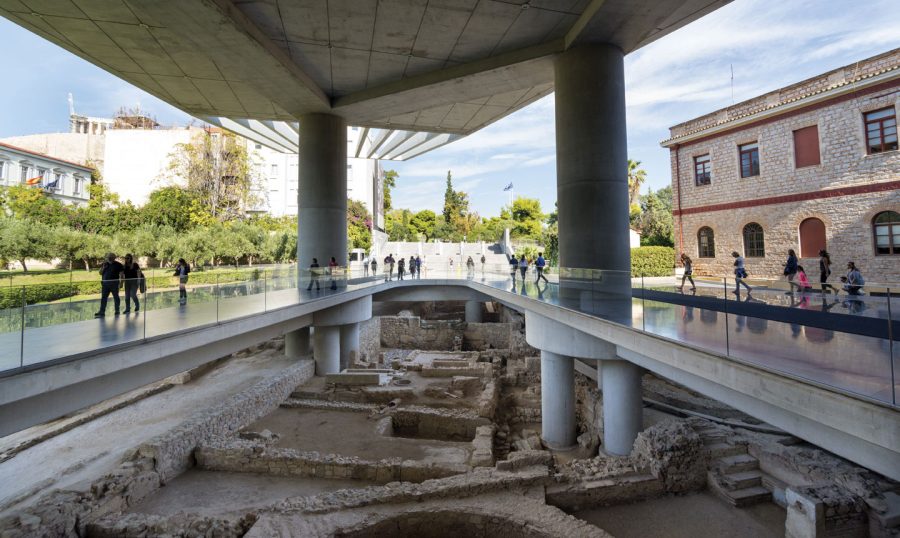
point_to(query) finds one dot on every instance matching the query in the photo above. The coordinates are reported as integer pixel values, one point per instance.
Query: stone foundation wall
(370, 339)
(238, 455)
(588, 410)
(439, 335)
(173, 450)
(67, 513)
(441, 424)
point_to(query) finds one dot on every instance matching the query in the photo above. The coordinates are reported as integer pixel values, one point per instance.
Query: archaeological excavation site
(433, 428)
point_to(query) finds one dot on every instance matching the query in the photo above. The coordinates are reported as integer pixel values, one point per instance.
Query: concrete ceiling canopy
(434, 66)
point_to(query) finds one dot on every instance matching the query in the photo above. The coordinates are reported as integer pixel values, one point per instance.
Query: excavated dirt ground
(216, 493)
(690, 516)
(353, 434)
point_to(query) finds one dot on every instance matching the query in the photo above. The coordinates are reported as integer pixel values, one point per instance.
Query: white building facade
(60, 179)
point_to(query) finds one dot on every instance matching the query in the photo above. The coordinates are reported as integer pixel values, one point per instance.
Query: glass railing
(845, 341)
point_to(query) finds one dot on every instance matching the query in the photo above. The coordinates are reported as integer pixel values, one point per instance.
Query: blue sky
(683, 75)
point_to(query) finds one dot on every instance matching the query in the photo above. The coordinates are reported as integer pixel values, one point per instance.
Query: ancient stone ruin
(435, 430)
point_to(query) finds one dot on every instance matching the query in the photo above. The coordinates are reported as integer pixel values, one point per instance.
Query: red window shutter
(806, 146)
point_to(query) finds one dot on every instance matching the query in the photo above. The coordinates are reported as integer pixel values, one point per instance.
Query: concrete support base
(557, 400)
(623, 411)
(296, 343)
(327, 349)
(474, 313)
(349, 344)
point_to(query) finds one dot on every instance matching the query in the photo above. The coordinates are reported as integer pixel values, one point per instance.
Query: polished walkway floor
(819, 345)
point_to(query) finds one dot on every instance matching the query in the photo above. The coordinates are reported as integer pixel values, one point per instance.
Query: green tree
(32, 203)
(22, 239)
(219, 172)
(636, 177)
(169, 206)
(198, 246)
(657, 227)
(423, 223)
(527, 218)
(359, 225)
(390, 181)
(69, 244)
(456, 212)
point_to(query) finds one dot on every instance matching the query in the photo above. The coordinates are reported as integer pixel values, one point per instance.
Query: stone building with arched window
(811, 166)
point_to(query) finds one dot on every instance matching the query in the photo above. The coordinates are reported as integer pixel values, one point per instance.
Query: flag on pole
(508, 187)
(34, 181)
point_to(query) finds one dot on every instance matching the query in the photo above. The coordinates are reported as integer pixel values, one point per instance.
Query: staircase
(734, 474)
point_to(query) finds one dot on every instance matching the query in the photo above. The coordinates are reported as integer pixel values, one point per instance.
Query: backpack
(142, 283)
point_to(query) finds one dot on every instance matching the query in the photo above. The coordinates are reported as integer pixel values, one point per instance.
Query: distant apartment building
(811, 166)
(132, 153)
(61, 179)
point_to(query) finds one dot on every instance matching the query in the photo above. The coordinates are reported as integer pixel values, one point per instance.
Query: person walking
(483, 259)
(133, 275)
(412, 267)
(401, 266)
(389, 265)
(539, 265)
(470, 268)
(374, 265)
(182, 270)
(790, 269)
(513, 265)
(418, 267)
(854, 280)
(332, 269)
(523, 267)
(314, 275)
(740, 273)
(802, 280)
(365, 266)
(825, 271)
(110, 282)
(688, 272)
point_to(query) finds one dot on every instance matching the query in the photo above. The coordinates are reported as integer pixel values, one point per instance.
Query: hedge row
(652, 261)
(11, 297)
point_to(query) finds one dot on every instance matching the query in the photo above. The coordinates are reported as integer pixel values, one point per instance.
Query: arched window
(886, 228)
(706, 244)
(812, 237)
(754, 243)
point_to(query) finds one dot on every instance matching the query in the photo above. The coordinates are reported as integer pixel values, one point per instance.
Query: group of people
(414, 266)
(315, 272)
(521, 264)
(795, 274)
(115, 275)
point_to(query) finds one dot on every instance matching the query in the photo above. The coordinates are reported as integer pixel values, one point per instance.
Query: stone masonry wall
(370, 338)
(439, 335)
(173, 451)
(844, 163)
(787, 94)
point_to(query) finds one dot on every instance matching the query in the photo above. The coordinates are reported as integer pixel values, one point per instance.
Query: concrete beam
(550, 335)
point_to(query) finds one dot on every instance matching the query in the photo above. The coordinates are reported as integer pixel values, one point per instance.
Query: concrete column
(591, 179)
(623, 412)
(327, 349)
(296, 343)
(322, 192)
(558, 427)
(474, 312)
(592, 158)
(349, 344)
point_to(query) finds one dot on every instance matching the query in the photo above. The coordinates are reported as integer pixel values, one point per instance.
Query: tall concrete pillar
(322, 192)
(349, 344)
(558, 427)
(622, 405)
(296, 343)
(474, 312)
(327, 349)
(591, 180)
